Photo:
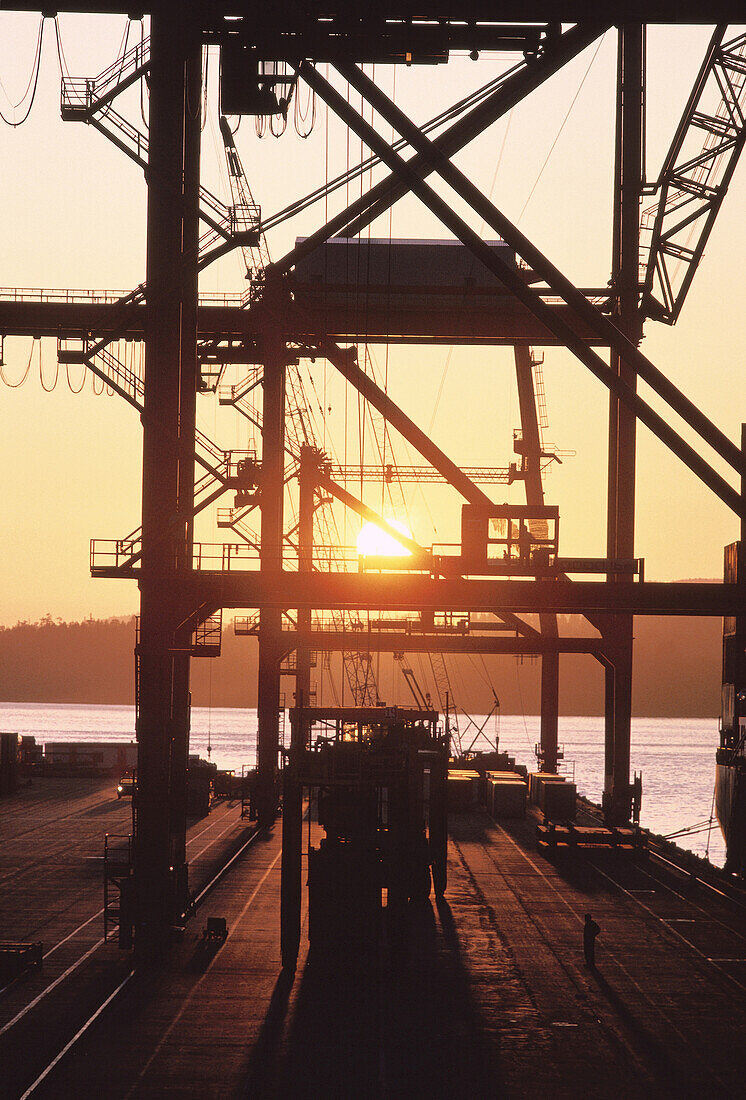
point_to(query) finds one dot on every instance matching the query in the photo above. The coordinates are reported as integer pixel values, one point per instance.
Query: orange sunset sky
(73, 215)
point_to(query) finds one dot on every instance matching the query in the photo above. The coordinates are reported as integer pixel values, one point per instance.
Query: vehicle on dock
(127, 784)
(378, 778)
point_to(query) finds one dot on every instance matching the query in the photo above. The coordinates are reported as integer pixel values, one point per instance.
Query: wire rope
(347, 177)
(32, 85)
(48, 389)
(449, 356)
(24, 376)
(61, 58)
(559, 132)
(70, 386)
(278, 124)
(488, 676)
(121, 55)
(302, 115)
(205, 77)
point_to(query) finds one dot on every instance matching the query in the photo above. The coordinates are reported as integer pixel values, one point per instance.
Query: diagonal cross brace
(389, 190)
(513, 281)
(557, 282)
(419, 553)
(344, 361)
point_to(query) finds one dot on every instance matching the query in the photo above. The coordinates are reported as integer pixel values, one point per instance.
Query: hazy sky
(73, 216)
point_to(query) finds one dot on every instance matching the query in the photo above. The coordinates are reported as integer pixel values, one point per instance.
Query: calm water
(675, 756)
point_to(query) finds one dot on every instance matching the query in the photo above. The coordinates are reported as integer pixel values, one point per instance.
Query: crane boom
(695, 177)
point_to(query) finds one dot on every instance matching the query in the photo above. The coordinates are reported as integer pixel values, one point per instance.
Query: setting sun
(373, 542)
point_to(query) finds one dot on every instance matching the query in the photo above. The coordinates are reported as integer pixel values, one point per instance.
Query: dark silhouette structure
(183, 588)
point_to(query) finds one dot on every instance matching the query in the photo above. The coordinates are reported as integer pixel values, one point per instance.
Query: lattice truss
(675, 228)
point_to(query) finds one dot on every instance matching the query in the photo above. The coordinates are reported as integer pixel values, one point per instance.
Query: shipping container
(558, 801)
(507, 798)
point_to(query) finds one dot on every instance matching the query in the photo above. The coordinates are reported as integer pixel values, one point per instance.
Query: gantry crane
(176, 597)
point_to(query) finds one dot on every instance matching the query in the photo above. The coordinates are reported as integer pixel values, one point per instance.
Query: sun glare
(373, 542)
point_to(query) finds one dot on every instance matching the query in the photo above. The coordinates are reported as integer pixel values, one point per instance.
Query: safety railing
(228, 394)
(114, 555)
(207, 638)
(244, 625)
(71, 297)
(85, 94)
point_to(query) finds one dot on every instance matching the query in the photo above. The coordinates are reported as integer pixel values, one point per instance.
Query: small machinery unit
(378, 778)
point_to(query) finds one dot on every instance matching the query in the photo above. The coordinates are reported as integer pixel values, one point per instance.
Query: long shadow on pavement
(397, 1022)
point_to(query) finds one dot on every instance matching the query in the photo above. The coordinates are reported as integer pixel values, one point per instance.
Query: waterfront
(676, 756)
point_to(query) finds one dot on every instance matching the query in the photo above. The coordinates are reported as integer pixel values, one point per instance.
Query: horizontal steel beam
(384, 641)
(402, 592)
(504, 321)
(286, 17)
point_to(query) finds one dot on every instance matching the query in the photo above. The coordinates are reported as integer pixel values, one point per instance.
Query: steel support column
(531, 449)
(291, 884)
(168, 434)
(185, 443)
(622, 422)
(273, 354)
(308, 482)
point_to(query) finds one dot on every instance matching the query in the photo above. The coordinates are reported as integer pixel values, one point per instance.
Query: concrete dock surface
(485, 994)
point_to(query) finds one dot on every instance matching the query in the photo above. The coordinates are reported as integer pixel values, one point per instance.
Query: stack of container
(463, 789)
(555, 797)
(506, 795)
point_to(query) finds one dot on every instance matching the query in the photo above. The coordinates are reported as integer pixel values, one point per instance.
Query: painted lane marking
(77, 1036)
(190, 997)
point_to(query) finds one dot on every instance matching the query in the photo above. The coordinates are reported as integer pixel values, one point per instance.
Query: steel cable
(69, 383)
(302, 115)
(24, 376)
(61, 58)
(562, 126)
(465, 104)
(48, 389)
(33, 80)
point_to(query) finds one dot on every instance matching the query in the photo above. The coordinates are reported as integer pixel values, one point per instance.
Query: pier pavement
(486, 995)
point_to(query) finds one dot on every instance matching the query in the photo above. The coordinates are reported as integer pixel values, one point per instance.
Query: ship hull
(730, 807)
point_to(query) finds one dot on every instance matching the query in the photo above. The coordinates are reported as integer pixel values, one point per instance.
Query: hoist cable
(70, 386)
(24, 376)
(449, 356)
(301, 115)
(33, 83)
(48, 389)
(347, 177)
(559, 132)
(61, 58)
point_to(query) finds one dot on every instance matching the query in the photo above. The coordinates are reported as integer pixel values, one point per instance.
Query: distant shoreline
(42, 703)
(676, 671)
